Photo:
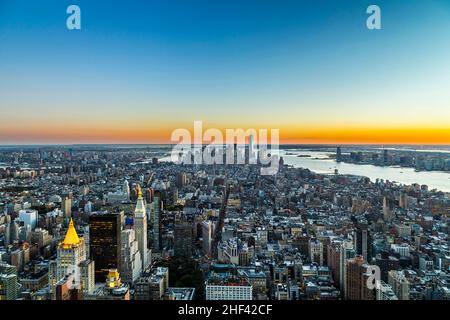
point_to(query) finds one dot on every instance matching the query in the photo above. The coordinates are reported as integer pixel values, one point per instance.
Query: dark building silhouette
(155, 220)
(386, 263)
(104, 242)
(364, 241)
(338, 154)
(183, 239)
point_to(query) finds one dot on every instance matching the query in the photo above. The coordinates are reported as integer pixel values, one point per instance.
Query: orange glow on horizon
(160, 133)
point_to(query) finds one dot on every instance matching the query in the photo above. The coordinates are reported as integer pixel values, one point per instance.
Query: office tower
(8, 287)
(70, 253)
(357, 275)
(87, 276)
(41, 237)
(183, 239)
(403, 200)
(231, 251)
(333, 255)
(244, 255)
(140, 228)
(104, 242)
(174, 195)
(25, 233)
(207, 234)
(67, 207)
(316, 251)
(399, 283)
(126, 189)
(8, 282)
(388, 208)
(346, 252)
(338, 154)
(363, 241)
(12, 232)
(181, 180)
(156, 208)
(130, 259)
(7, 268)
(29, 218)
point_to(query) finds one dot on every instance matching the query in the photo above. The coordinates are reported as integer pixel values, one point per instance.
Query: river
(319, 162)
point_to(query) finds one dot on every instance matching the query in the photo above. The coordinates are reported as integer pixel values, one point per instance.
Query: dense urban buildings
(124, 223)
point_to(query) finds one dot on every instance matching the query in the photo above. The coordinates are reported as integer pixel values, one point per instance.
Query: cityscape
(126, 223)
(232, 157)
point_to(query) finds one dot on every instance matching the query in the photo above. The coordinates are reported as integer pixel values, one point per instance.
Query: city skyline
(312, 70)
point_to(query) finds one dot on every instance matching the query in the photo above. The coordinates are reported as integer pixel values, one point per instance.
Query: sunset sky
(139, 69)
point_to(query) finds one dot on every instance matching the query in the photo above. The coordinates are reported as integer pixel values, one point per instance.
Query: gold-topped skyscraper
(71, 239)
(70, 253)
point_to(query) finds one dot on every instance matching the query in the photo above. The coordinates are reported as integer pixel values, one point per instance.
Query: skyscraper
(67, 207)
(156, 208)
(347, 251)
(130, 258)
(357, 274)
(87, 276)
(388, 208)
(338, 154)
(364, 241)
(8, 287)
(71, 252)
(29, 218)
(181, 180)
(183, 239)
(207, 235)
(140, 227)
(104, 242)
(126, 189)
(8, 282)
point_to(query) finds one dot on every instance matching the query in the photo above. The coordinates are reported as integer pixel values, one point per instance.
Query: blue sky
(273, 63)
